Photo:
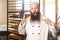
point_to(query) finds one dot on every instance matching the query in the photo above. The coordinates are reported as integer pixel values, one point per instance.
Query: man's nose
(34, 10)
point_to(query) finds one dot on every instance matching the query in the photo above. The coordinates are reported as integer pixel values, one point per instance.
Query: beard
(35, 17)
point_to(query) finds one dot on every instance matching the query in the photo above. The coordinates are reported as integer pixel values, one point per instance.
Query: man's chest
(34, 28)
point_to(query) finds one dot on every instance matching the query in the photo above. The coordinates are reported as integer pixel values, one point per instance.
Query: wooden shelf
(12, 24)
(13, 21)
(14, 11)
(13, 31)
(15, 18)
(15, 27)
(14, 36)
(11, 4)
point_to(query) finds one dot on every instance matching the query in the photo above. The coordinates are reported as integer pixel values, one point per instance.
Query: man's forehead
(34, 4)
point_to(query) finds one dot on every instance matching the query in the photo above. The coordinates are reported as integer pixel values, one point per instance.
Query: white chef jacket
(36, 30)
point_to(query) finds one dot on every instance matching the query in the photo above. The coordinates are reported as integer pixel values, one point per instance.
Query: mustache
(37, 17)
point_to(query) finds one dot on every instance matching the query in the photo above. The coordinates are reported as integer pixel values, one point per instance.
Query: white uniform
(35, 30)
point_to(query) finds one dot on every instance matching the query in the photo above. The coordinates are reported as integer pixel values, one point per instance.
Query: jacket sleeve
(52, 30)
(21, 29)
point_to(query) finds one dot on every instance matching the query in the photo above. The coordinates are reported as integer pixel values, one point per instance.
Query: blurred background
(3, 19)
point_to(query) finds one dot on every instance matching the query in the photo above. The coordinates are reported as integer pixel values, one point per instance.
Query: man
(36, 26)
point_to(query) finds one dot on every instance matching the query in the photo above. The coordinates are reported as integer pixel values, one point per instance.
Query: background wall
(3, 11)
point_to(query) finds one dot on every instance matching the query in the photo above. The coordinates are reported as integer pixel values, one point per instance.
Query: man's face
(34, 9)
(35, 14)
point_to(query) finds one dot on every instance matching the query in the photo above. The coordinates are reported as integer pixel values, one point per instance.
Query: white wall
(58, 14)
(58, 8)
(50, 9)
(3, 11)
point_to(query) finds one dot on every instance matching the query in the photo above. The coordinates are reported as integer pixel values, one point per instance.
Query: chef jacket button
(32, 33)
(32, 26)
(38, 26)
(38, 33)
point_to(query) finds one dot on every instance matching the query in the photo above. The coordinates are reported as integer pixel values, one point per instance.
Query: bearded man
(36, 26)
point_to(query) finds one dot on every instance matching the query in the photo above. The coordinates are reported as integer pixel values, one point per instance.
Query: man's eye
(32, 8)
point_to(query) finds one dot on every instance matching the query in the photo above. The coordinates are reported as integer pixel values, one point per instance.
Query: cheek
(32, 11)
(37, 10)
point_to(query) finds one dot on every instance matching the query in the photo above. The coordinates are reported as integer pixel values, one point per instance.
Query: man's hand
(47, 21)
(23, 20)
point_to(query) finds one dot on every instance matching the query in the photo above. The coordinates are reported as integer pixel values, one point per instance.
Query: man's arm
(21, 27)
(51, 26)
(47, 20)
(53, 30)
